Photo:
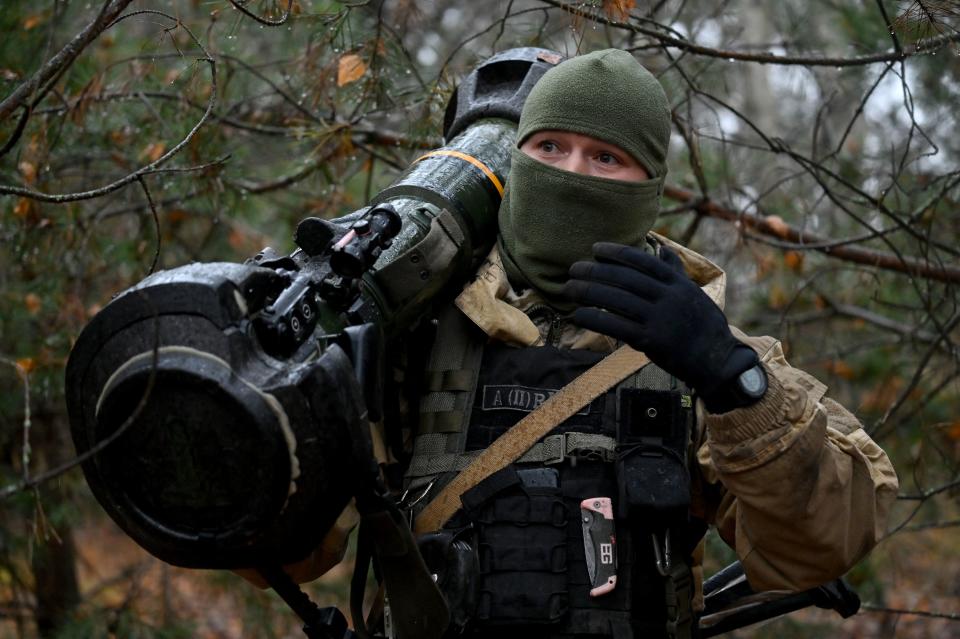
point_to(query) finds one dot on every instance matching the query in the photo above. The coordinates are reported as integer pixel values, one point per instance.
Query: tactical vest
(526, 521)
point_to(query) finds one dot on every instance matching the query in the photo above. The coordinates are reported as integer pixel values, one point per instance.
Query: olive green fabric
(550, 218)
(608, 95)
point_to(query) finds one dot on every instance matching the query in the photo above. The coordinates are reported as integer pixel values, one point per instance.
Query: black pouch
(653, 431)
(451, 557)
(521, 522)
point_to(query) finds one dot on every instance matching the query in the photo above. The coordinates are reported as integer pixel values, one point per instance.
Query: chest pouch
(521, 523)
(653, 433)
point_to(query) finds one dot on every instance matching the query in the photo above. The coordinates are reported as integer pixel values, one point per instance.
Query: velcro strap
(557, 448)
(458, 380)
(430, 465)
(450, 421)
(430, 456)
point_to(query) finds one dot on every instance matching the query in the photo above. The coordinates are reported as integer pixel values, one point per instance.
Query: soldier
(719, 430)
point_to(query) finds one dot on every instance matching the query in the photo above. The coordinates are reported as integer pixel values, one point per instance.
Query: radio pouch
(652, 469)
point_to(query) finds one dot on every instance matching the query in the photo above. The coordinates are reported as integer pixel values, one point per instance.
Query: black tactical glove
(651, 304)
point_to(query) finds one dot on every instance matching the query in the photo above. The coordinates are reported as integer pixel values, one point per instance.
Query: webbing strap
(460, 380)
(431, 458)
(679, 595)
(450, 421)
(511, 445)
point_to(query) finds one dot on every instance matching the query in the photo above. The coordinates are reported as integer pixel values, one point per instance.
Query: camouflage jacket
(793, 483)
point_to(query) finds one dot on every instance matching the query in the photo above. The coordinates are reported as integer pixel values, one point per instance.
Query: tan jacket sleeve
(802, 492)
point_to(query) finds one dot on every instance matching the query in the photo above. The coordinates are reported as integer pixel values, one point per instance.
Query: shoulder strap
(511, 445)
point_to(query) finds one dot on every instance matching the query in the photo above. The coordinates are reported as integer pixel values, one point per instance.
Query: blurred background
(814, 156)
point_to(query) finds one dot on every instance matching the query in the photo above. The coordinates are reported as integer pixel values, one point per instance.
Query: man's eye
(547, 146)
(607, 158)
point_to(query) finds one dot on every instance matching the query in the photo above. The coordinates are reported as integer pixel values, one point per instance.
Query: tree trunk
(56, 588)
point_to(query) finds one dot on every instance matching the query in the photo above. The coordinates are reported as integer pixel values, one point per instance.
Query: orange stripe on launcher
(472, 160)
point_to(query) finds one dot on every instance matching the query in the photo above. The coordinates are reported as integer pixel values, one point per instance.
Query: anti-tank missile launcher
(228, 403)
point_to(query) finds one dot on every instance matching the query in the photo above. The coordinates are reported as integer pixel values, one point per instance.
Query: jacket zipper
(556, 323)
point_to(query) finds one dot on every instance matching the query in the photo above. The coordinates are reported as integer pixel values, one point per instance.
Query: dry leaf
(777, 225)
(26, 364)
(32, 21)
(24, 208)
(238, 241)
(618, 10)
(119, 136)
(29, 171)
(954, 431)
(550, 58)
(883, 395)
(153, 151)
(9, 75)
(793, 260)
(841, 369)
(765, 264)
(177, 215)
(778, 297)
(350, 69)
(32, 302)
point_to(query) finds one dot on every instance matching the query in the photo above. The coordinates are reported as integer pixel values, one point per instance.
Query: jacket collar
(493, 305)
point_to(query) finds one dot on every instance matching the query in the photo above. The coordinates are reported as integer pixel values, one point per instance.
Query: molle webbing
(450, 387)
(644, 604)
(451, 375)
(450, 383)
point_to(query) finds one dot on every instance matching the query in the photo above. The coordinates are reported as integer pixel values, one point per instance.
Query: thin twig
(220, 161)
(264, 21)
(876, 428)
(923, 47)
(156, 222)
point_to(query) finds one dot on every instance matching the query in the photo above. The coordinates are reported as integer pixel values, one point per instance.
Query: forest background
(814, 156)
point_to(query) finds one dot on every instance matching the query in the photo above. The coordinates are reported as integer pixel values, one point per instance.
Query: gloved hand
(651, 304)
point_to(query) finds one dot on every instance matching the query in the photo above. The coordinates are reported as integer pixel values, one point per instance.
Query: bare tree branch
(63, 59)
(239, 6)
(869, 607)
(804, 240)
(923, 47)
(128, 179)
(927, 494)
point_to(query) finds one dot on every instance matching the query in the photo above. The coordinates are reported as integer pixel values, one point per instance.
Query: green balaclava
(550, 218)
